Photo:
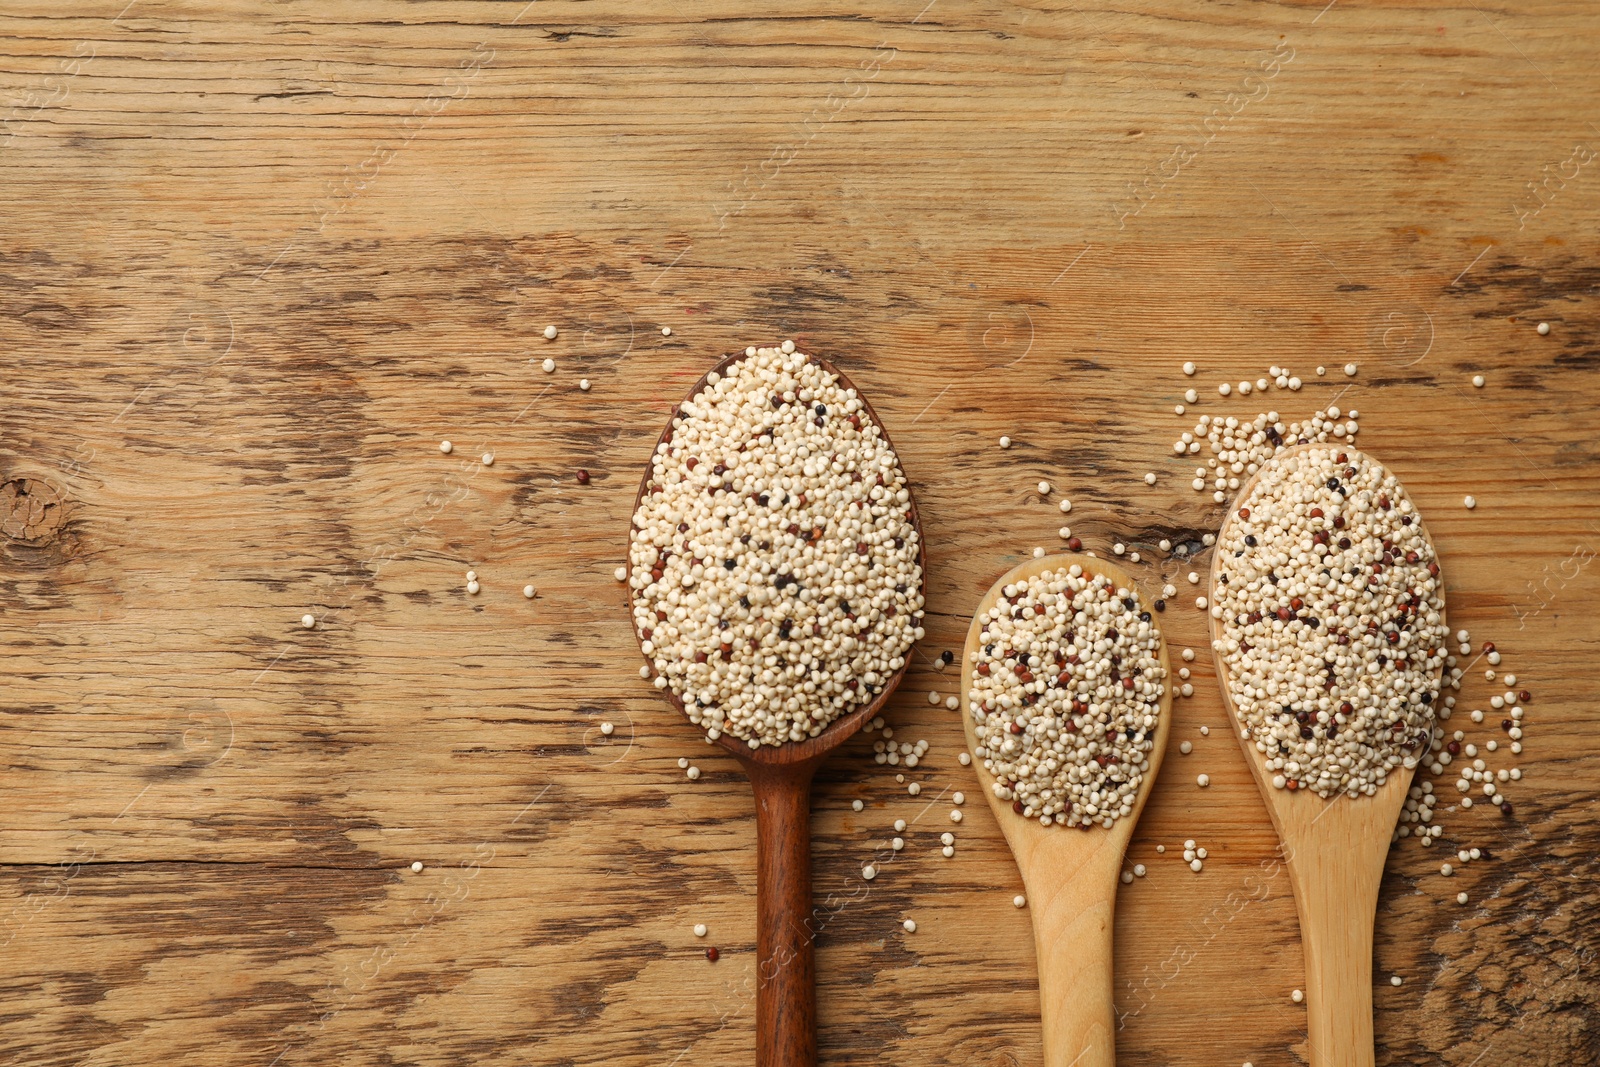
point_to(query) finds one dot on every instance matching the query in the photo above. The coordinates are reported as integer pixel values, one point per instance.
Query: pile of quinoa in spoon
(1331, 614)
(774, 565)
(1065, 693)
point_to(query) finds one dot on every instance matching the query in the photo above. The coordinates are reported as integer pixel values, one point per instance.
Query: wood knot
(32, 512)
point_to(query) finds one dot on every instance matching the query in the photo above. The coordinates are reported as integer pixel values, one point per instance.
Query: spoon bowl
(1334, 850)
(1070, 875)
(780, 776)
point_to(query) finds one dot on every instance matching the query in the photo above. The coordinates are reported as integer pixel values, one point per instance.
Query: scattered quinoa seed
(528, 591)
(308, 621)
(1297, 996)
(607, 729)
(1005, 442)
(1470, 502)
(550, 333)
(699, 929)
(416, 866)
(1019, 901)
(549, 366)
(1543, 328)
(910, 926)
(1477, 381)
(446, 447)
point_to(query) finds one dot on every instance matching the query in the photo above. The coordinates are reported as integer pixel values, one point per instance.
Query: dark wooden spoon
(780, 775)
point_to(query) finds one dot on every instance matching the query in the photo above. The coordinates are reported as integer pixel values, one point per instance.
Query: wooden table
(259, 260)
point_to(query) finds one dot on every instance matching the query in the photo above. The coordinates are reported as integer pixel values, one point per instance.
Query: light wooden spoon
(1335, 851)
(1071, 875)
(780, 777)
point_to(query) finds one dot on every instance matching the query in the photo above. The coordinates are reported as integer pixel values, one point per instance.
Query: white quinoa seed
(952, 702)
(1462, 898)
(699, 929)
(1044, 488)
(1470, 502)
(914, 788)
(1019, 901)
(666, 331)
(1297, 996)
(910, 926)
(1396, 980)
(1185, 747)
(446, 447)
(1314, 652)
(774, 566)
(550, 333)
(1005, 442)
(1240, 447)
(1477, 381)
(583, 383)
(416, 866)
(1188, 368)
(869, 872)
(1350, 369)
(1203, 781)
(308, 621)
(620, 574)
(1066, 734)
(473, 587)
(549, 366)
(856, 805)
(607, 729)
(1543, 328)
(528, 591)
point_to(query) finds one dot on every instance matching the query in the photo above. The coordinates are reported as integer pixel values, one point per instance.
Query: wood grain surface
(259, 259)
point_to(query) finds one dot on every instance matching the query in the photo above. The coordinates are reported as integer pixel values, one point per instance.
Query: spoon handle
(1336, 876)
(1072, 935)
(786, 1030)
